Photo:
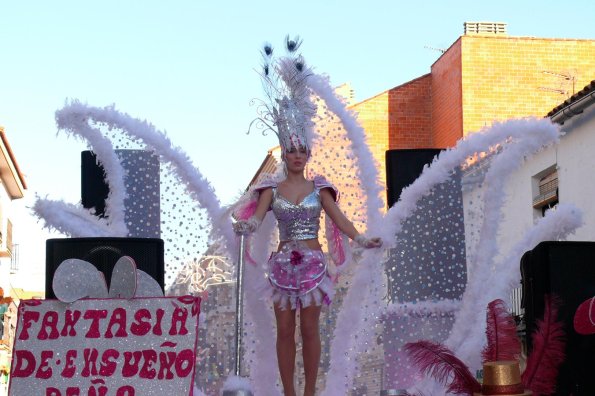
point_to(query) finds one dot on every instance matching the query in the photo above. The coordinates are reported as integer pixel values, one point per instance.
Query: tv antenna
(565, 79)
(441, 50)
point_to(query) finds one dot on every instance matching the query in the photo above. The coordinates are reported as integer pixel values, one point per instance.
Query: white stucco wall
(4, 261)
(574, 158)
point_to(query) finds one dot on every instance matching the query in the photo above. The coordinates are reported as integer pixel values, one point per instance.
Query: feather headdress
(287, 109)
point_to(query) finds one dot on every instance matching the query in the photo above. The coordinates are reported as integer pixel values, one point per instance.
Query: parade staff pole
(239, 307)
(241, 390)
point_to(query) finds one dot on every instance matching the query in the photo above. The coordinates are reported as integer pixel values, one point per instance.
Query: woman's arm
(332, 210)
(264, 203)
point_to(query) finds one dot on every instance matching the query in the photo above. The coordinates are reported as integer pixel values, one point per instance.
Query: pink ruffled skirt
(299, 277)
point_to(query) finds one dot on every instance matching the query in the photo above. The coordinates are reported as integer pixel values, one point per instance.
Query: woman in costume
(297, 271)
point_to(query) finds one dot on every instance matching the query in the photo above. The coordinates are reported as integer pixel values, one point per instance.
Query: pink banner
(105, 347)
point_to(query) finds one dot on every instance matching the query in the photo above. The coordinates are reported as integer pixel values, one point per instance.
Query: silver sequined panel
(297, 222)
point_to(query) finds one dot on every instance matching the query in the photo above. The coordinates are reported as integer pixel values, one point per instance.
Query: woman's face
(296, 158)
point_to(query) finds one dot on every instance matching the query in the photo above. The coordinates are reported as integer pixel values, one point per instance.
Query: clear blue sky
(187, 67)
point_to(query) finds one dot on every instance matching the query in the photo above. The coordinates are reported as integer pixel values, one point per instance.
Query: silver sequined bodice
(297, 222)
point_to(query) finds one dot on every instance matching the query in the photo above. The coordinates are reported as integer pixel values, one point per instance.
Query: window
(547, 190)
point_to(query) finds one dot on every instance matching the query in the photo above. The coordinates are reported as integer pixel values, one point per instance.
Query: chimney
(485, 28)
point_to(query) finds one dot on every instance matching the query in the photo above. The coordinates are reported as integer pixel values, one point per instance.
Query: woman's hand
(368, 243)
(245, 227)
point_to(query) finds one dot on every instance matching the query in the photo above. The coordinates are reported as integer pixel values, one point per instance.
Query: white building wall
(574, 158)
(4, 261)
(577, 169)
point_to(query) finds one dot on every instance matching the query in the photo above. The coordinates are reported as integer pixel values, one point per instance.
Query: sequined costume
(299, 275)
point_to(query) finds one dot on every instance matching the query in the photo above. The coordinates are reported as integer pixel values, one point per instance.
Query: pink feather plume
(503, 341)
(440, 363)
(334, 237)
(246, 211)
(548, 351)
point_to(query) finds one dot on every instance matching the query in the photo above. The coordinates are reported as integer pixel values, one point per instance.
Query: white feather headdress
(287, 109)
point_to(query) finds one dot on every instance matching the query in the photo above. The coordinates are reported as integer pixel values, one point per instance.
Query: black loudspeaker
(103, 254)
(94, 189)
(142, 181)
(403, 167)
(566, 270)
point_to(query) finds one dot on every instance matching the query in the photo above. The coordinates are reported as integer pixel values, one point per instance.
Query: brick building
(484, 76)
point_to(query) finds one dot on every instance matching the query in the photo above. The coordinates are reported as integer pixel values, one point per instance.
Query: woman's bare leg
(286, 347)
(311, 346)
